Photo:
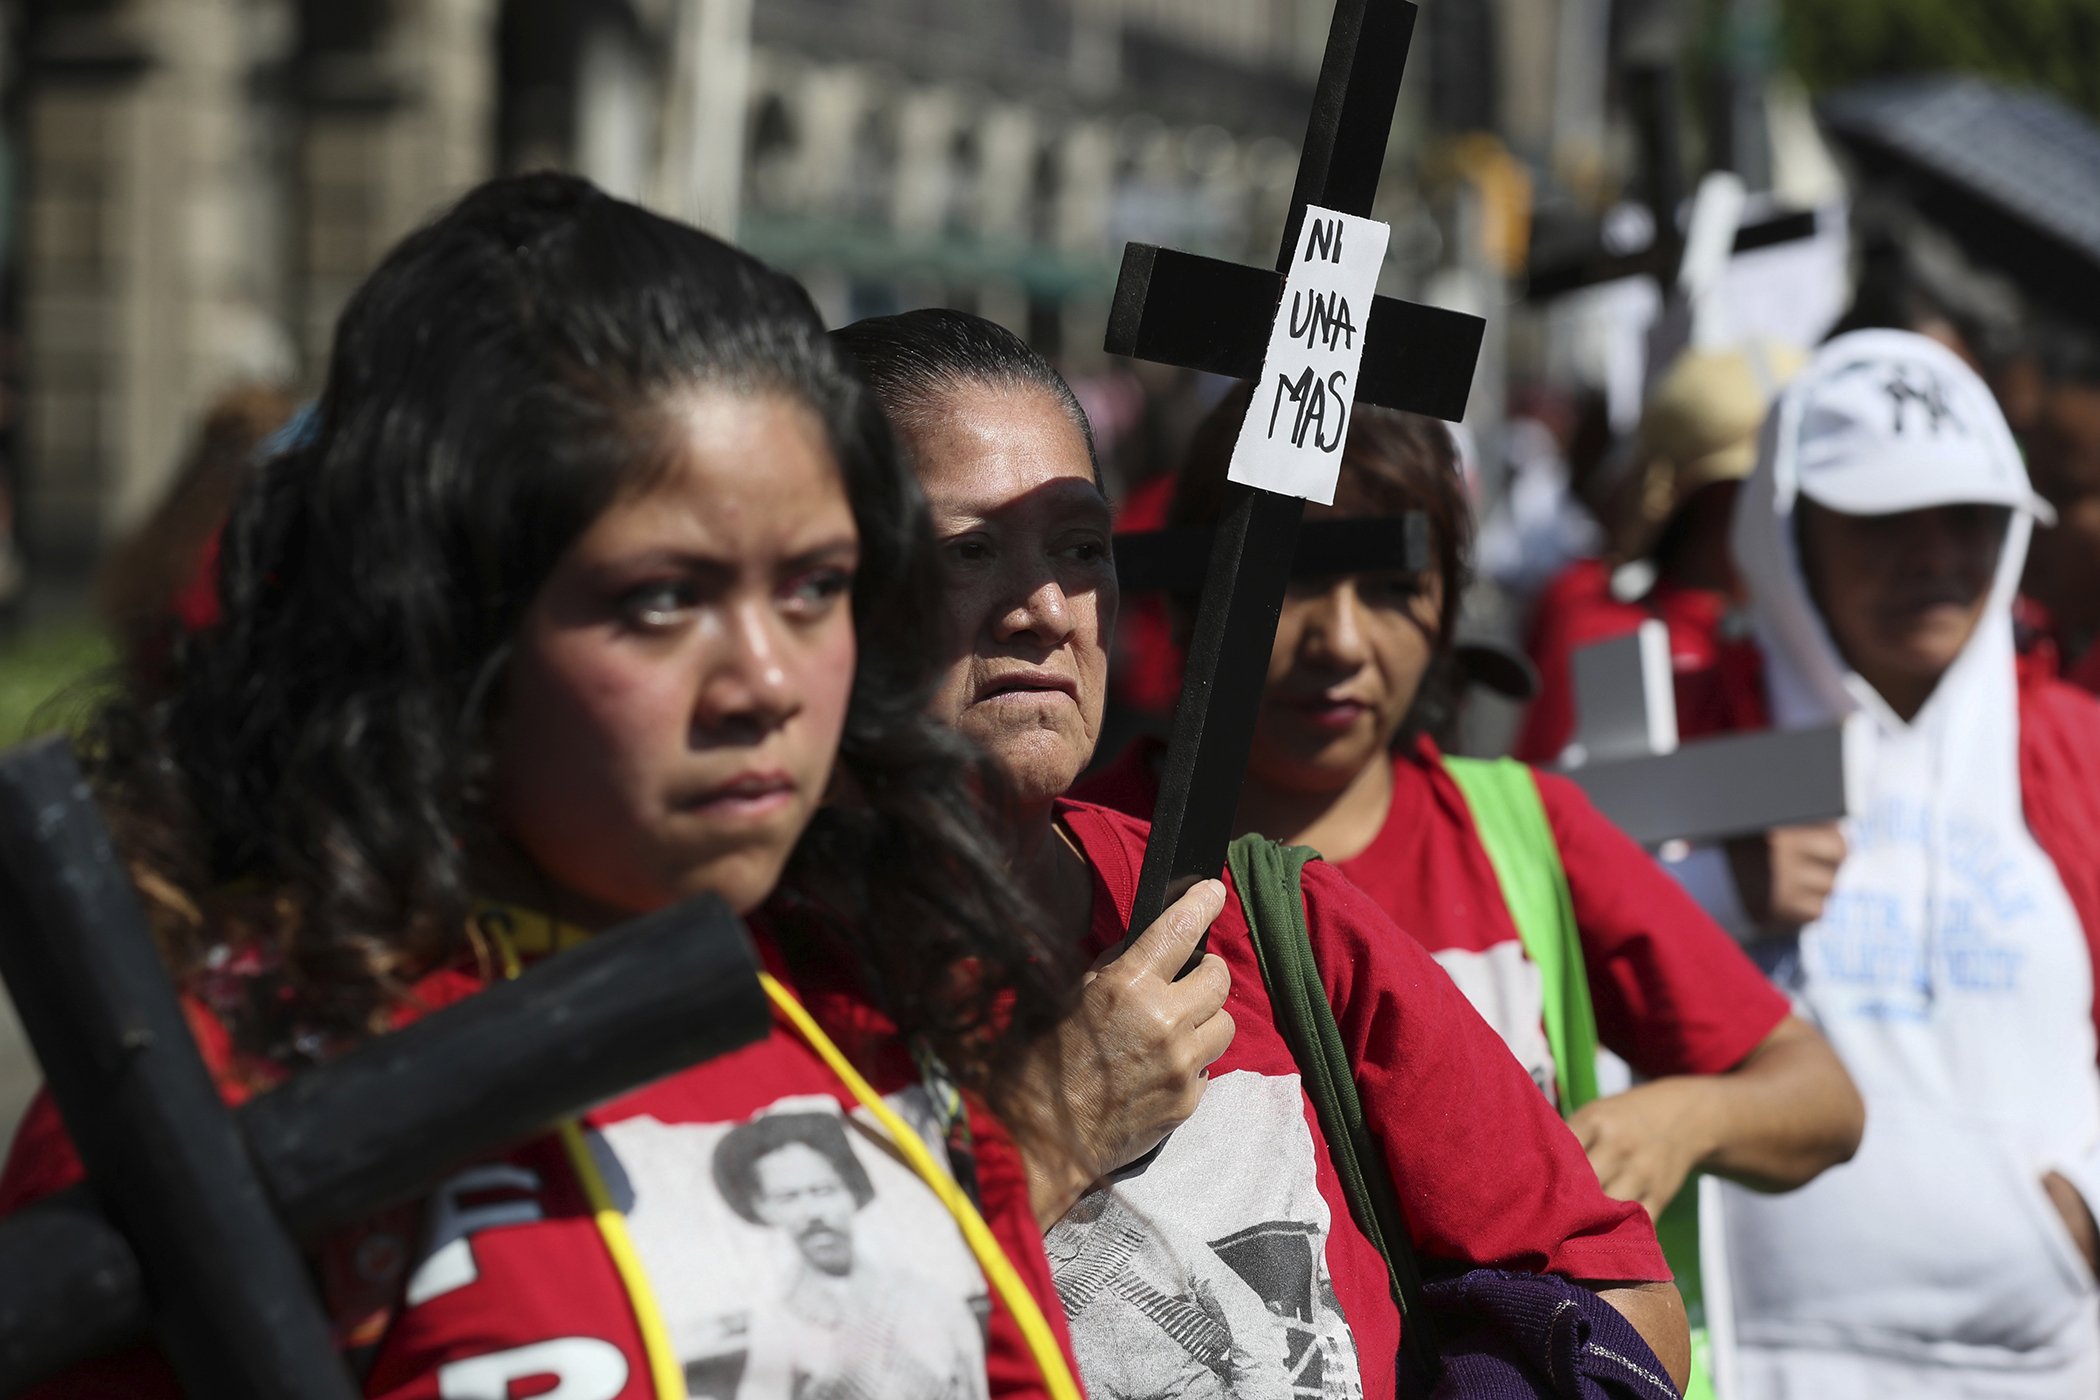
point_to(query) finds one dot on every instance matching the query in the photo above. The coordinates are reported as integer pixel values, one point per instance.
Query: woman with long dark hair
(592, 586)
(1235, 1261)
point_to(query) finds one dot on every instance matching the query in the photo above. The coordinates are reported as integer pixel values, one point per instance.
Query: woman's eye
(969, 550)
(1090, 551)
(817, 590)
(656, 605)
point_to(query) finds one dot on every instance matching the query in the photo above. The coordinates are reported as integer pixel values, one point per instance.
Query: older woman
(1006, 460)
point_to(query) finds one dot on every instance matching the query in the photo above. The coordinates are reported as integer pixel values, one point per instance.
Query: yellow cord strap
(998, 1269)
(666, 1374)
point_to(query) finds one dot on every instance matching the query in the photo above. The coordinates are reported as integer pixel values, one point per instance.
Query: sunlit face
(801, 1192)
(670, 716)
(1029, 582)
(1349, 658)
(1902, 593)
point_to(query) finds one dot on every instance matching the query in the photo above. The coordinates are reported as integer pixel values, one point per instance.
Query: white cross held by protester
(1628, 761)
(1291, 439)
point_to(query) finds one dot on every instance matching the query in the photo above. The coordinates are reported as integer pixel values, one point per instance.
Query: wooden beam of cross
(1595, 266)
(1628, 761)
(1176, 559)
(1201, 313)
(201, 1213)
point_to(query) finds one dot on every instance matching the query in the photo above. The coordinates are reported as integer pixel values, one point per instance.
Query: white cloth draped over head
(1949, 968)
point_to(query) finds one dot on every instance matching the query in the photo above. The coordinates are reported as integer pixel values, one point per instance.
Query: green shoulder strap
(1269, 878)
(1511, 820)
(1504, 798)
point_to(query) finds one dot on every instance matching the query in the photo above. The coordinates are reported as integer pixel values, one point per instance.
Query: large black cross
(1205, 314)
(190, 1225)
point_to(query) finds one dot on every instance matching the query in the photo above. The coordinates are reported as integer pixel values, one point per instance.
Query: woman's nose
(1044, 613)
(1334, 632)
(748, 680)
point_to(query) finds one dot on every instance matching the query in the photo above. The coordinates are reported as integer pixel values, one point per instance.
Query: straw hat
(1700, 427)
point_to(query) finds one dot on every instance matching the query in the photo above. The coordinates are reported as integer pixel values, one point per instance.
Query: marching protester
(1950, 955)
(594, 585)
(1344, 762)
(1561, 931)
(1669, 550)
(1231, 1263)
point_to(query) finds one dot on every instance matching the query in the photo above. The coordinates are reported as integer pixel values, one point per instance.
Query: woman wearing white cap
(1950, 957)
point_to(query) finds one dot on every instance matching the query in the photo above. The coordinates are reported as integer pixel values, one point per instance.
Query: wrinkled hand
(2078, 1219)
(1644, 1143)
(1785, 877)
(1129, 1065)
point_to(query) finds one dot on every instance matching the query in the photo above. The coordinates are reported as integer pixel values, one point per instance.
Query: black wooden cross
(190, 1225)
(1652, 92)
(1201, 313)
(1176, 559)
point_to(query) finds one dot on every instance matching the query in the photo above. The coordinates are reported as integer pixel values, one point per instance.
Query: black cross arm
(236, 1315)
(1207, 314)
(378, 1127)
(1550, 279)
(1176, 559)
(183, 1195)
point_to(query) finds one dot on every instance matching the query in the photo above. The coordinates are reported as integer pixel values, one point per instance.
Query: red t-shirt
(1232, 1254)
(1672, 992)
(790, 1251)
(1578, 609)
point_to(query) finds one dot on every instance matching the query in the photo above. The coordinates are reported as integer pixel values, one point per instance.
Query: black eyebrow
(692, 562)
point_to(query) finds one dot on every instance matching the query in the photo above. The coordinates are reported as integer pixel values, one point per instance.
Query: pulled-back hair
(315, 783)
(911, 360)
(1401, 462)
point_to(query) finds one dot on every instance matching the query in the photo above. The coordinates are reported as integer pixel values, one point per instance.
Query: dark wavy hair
(1402, 462)
(314, 784)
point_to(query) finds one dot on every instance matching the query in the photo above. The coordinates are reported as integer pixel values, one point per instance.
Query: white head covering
(1880, 422)
(1949, 968)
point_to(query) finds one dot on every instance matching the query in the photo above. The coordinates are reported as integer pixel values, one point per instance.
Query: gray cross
(1627, 759)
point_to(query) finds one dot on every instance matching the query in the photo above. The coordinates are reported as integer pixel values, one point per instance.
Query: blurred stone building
(200, 183)
(196, 185)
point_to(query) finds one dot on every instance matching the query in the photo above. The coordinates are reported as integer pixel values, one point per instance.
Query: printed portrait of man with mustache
(797, 1173)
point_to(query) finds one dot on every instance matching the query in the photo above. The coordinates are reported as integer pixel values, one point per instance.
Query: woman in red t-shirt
(590, 589)
(1697, 441)
(1229, 1263)
(1343, 762)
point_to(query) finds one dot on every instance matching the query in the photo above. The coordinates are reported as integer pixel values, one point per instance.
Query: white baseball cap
(1892, 422)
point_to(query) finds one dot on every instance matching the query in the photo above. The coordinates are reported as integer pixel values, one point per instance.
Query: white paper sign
(1291, 441)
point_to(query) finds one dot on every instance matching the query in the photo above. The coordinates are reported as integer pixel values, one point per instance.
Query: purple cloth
(1511, 1336)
